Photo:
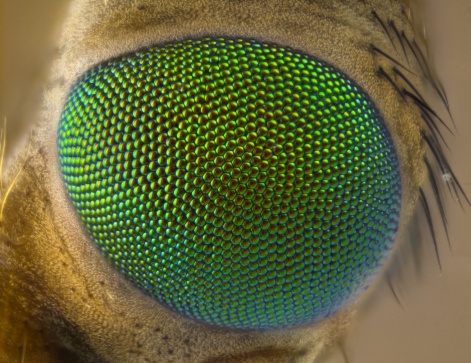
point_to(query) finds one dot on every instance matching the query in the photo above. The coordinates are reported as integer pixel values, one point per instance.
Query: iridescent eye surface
(241, 184)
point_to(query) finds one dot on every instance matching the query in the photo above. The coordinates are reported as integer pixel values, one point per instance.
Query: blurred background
(432, 323)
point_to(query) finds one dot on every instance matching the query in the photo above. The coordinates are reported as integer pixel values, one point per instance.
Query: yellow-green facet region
(241, 184)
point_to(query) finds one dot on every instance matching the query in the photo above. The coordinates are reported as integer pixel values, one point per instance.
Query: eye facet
(242, 184)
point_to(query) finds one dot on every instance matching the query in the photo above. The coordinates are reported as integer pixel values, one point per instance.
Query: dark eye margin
(159, 96)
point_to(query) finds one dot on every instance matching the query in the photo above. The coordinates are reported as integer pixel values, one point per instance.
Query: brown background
(433, 325)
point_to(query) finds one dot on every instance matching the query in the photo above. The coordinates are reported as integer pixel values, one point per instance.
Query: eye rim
(118, 60)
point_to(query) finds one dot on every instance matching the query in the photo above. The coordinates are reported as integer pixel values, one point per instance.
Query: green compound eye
(241, 184)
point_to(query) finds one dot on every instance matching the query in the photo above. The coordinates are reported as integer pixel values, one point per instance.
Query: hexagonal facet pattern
(241, 184)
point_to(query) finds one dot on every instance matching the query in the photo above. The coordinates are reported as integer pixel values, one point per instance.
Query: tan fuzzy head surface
(66, 297)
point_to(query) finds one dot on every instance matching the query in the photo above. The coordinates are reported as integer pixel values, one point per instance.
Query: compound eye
(241, 184)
